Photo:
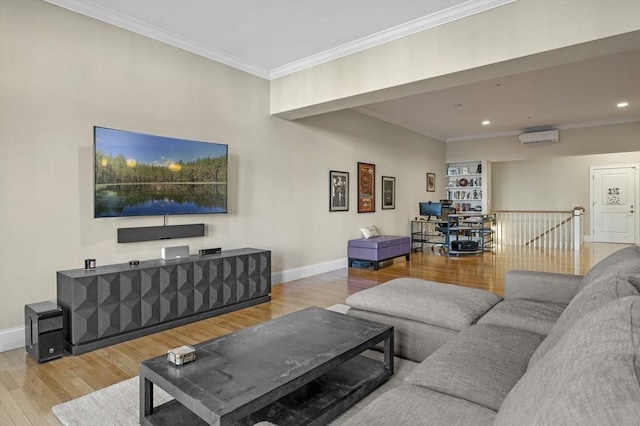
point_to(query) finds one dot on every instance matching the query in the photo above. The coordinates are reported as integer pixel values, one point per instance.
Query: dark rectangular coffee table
(305, 368)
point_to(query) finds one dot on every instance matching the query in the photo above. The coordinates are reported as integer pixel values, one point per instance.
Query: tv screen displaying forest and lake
(138, 174)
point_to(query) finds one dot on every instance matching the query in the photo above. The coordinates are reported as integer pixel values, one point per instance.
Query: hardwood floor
(28, 390)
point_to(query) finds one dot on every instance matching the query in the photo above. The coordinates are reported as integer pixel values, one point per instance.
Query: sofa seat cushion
(480, 365)
(596, 294)
(590, 377)
(537, 317)
(445, 305)
(411, 339)
(413, 405)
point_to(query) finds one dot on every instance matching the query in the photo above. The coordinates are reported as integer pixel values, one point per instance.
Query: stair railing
(540, 228)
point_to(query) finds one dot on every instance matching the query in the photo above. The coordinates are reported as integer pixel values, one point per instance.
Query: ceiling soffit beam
(610, 45)
(462, 52)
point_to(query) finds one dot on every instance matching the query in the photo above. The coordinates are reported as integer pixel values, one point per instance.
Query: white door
(613, 203)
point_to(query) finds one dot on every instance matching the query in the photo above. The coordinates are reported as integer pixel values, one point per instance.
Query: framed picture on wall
(338, 191)
(388, 192)
(431, 182)
(366, 188)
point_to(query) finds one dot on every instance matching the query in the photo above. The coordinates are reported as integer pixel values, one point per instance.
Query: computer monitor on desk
(429, 209)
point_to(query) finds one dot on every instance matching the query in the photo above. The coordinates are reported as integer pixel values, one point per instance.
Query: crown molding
(483, 136)
(480, 136)
(451, 14)
(559, 127)
(92, 10)
(471, 7)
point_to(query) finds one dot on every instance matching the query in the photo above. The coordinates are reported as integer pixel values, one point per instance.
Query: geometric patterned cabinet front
(114, 303)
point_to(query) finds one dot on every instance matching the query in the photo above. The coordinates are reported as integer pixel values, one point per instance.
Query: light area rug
(118, 404)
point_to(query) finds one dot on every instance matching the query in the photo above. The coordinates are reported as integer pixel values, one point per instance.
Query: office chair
(444, 228)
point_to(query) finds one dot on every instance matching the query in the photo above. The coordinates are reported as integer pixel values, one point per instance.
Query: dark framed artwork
(431, 182)
(388, 192)
(338, 191)
(366, 188)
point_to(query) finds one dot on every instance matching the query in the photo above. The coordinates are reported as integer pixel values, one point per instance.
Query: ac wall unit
(537, 138)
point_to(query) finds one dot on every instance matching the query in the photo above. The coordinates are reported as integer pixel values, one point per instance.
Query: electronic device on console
(175, 252)
(209, 251)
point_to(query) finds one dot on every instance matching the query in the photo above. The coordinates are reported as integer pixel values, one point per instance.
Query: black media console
(114, 303)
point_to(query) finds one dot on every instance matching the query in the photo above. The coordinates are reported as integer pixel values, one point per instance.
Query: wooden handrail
(532, 211)
(551, 229)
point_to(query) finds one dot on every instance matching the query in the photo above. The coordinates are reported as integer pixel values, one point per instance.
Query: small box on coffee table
(181, 355)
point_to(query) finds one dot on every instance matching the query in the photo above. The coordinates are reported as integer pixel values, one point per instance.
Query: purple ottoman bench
(377, 249)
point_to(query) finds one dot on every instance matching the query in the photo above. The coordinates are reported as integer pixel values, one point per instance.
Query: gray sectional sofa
(557, 350)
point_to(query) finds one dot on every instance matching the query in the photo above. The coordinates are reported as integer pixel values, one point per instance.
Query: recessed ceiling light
(486, 122)
(622, 104)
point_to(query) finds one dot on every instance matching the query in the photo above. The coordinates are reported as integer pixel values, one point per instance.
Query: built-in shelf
(468, 186)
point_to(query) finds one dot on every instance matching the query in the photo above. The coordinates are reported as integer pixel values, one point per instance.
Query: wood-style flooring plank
(5, 418)
(15, 413)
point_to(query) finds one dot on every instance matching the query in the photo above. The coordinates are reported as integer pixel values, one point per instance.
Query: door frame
(636, 216)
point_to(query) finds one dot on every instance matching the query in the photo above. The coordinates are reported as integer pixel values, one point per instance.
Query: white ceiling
(270, 38)
(578, 94)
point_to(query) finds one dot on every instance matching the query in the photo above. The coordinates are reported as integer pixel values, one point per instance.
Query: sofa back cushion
(593, 296)
(623, 261)
(589, 378)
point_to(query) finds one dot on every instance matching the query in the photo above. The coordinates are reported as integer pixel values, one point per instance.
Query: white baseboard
(307, 271)
(13, 338)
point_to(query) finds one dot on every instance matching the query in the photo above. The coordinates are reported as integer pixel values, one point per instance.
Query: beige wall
(486, 45)
(554, 176)
(62, 73)
(558, 183)
(581, 141)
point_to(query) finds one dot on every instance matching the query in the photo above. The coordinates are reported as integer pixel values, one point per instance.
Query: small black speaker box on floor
(464, 245)
(43, 331)
(151, 233)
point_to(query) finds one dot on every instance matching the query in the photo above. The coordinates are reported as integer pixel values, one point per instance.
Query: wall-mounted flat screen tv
(138, 174)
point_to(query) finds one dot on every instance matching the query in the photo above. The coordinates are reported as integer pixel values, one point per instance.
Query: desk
(457, 227)
(470, 227)
(423, 232)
